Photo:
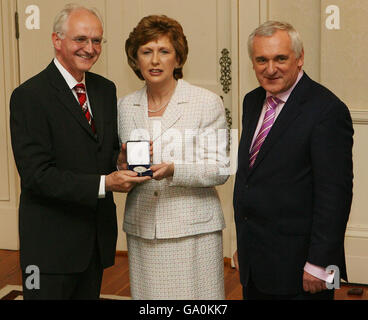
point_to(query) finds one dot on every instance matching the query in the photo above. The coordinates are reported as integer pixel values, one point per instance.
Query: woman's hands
(162, 170)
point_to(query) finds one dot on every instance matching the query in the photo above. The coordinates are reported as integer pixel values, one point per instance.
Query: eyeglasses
(84, 41)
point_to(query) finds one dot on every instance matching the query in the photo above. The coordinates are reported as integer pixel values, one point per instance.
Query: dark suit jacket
(292, 207)
(60, 161)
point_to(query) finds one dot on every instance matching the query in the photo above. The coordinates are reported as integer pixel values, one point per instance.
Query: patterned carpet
(11, 292)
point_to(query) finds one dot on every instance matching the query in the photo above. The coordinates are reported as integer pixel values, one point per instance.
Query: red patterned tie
(268, 120)
(80, 89)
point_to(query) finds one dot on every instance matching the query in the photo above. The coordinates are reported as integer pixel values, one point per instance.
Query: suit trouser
(85, 285)
(251, 292)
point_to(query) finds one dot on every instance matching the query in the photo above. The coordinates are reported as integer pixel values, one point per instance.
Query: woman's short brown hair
(151, 28)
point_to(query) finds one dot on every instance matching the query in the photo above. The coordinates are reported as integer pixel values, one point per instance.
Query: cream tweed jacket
(187, 203)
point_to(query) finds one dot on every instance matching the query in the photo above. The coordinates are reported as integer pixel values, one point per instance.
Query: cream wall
(344, 53)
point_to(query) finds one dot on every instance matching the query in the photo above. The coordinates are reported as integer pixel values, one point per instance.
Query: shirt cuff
(101, 191)
(319, 272)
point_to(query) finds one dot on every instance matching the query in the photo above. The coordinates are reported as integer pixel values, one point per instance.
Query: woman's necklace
(159, 109)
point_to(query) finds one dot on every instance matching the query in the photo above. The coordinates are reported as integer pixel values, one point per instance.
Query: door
(8, 175)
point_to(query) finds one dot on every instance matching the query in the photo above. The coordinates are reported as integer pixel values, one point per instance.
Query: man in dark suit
(293, 186)
(64, 135)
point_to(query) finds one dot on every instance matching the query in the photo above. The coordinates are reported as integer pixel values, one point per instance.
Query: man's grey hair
(268, 28)
(63, 15)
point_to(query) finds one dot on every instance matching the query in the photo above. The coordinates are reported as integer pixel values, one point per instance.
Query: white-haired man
(64, 136)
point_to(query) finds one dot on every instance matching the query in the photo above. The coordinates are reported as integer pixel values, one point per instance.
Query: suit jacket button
(245, 218)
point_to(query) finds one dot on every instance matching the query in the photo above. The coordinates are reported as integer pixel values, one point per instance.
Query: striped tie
(269, 118)
(80, 89)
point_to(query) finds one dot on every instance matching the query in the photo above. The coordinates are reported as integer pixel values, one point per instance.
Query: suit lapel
(140, 114)
(289, 113)
(95, 98)
(174, 109)
(171, 115)
(252, 118)
(66, 97)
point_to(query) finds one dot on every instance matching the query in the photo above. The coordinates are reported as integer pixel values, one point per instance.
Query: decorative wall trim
(264, 13)
(359, 116)
(357, 231)
(225, 63)
(229, 123)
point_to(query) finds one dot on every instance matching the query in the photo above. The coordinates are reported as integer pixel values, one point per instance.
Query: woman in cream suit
(173, 222)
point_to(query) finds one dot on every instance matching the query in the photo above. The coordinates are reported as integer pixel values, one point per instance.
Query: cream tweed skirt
(185, 268)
